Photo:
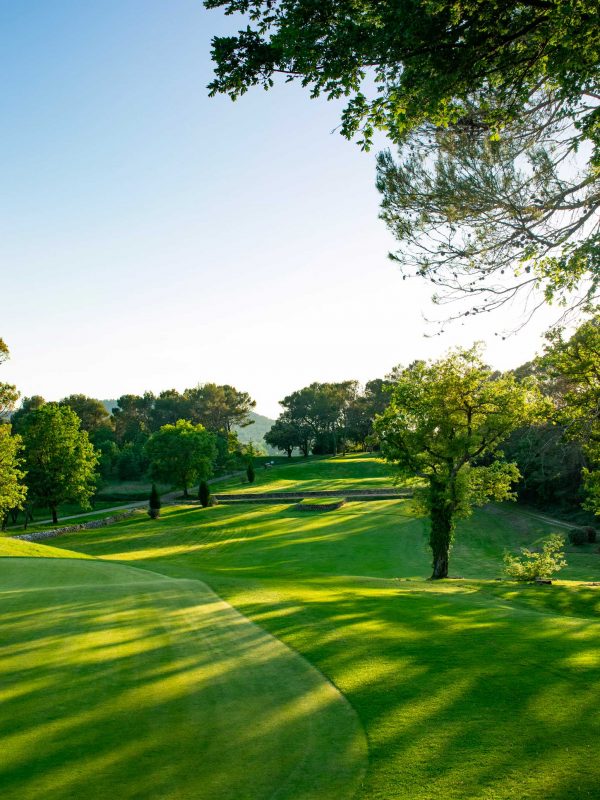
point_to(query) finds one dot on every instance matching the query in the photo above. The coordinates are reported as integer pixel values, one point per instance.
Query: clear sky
(153, 238)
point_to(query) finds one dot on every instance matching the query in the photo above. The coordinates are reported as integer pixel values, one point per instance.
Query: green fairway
(355, 471)
(467, 689)
(117, 682)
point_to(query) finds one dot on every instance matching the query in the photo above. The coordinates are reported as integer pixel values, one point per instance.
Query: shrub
(154, 503)
(250, 473)
(530, 566)
(591, 534)
(578, 536)
(203, 494)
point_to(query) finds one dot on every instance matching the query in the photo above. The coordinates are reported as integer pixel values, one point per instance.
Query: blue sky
(151, 237)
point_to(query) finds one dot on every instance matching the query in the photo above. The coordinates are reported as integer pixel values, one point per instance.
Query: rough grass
(467, 689)
(122, 683)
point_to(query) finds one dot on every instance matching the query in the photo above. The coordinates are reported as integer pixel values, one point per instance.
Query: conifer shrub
(204, 494)
(250, 474)
(154, 503)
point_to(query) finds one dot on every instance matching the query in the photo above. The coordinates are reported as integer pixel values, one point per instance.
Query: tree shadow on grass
(157, 689)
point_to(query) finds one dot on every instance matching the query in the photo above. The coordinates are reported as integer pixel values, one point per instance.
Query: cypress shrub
(250, 473)
(204, 494)
(154, 503)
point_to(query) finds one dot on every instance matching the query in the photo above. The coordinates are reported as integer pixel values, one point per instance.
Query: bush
(154, 503)
(250, 473)
(578, 536)
(531, 566)
(203, 494)
(591, 534)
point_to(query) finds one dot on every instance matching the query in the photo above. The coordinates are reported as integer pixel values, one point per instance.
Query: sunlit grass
(117, 682)
(469, 689)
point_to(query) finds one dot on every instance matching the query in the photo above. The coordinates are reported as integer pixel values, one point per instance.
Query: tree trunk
(185, 490)
(442, 530)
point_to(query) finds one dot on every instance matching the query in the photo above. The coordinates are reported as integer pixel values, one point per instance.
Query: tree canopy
(495, 108)
(445, 423)
(181, 453)
(60, 460)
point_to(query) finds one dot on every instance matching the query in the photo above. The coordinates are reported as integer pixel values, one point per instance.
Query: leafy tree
(168, 407)
(8, 392)
(219, 407)
(60, 460)
(319, 412)
(133, 417)
(12, 490)
(285, 435)
(27, 404)
(488, 103)
(204, 493)
(532, 565)
(575, 362)
(91, 412)
(154, 503)
(181, 453)
(445, 422)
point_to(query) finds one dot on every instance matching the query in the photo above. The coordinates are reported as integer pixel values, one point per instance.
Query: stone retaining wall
(39, 536)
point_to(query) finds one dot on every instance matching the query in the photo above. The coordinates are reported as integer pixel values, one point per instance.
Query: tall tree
(133, 417)
(219, 407)
(181, 454)
(12, 489)
(60, 460)
(8, 393)
(445, 423)
(284, 435)
(94, 417)
(488, 103)
(575, 362)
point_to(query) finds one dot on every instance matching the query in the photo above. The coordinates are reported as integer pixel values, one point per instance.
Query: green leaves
(60, 460)
(181, 453)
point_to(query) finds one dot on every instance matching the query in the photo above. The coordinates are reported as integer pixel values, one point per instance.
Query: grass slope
(356, 471)
(466, 689)
(117, 682)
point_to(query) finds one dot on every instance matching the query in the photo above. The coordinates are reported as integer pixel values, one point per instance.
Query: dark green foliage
(154, 503)
(250, 474)
(578, 536)
(204, 494)
(487, 102)
(591, 534)
(60, 460)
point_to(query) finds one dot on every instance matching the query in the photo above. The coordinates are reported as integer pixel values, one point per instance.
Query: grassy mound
(118, 682)
(320, 504)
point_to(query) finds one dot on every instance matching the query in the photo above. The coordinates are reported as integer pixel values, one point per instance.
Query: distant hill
(109, 405)
(255, 432)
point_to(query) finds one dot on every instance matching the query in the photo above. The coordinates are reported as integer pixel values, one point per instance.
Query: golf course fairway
(120, 683)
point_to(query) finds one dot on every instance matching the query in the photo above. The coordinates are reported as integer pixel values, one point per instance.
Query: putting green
(118, 682)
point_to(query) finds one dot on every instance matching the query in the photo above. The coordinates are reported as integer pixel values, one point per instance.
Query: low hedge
(321, 504)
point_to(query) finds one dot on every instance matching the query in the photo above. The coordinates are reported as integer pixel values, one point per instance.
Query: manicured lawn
(121, 683)
(466, 689)
(355, 471)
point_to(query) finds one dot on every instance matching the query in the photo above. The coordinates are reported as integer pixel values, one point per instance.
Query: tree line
(470, 433)
(52, 453)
